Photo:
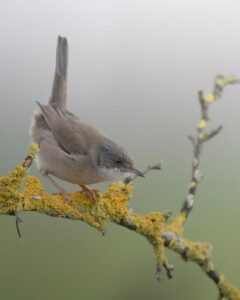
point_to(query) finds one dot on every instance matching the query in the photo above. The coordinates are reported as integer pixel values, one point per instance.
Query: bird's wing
(72, 135)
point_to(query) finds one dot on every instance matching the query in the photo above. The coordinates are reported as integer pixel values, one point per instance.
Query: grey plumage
(69, 148)
(59, 89)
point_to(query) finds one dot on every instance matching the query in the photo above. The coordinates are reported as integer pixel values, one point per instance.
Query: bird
(69, 148)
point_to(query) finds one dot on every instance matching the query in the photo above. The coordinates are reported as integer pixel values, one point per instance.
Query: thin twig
(149, 168)
(202, 136)
(18, 220)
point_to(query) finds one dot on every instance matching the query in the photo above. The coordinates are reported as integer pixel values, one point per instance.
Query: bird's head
(114, 160)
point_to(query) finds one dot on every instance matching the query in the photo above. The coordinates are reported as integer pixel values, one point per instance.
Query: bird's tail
(59, 89)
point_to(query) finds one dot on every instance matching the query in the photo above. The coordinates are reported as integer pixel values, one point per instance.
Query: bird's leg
(90, 193)
(60, 189)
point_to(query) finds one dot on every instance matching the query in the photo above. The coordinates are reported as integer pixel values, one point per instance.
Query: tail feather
(59, 89)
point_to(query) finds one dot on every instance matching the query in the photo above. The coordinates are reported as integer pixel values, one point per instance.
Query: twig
(18, 221)
(131, 178)
(202, 136)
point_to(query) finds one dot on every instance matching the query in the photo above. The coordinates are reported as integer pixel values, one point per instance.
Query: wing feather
(72, 135)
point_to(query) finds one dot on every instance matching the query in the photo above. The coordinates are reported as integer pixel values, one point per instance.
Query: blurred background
(135, 67)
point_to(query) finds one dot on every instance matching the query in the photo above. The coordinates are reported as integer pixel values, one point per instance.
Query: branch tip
(130, 178)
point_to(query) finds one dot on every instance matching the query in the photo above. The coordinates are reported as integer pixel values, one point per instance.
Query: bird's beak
(136, 171)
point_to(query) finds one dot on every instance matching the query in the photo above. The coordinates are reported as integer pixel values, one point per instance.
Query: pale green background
(134, 72)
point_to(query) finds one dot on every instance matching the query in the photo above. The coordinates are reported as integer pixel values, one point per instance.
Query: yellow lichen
(228, 289)
(9, 187)
(202, 135)
(210, 98)
(230, 79)
(110, 206)
(35, 199)
(192, 184)
(202, 124)
(177, 224)
(10, 198)
(198, 251)
(33, 150)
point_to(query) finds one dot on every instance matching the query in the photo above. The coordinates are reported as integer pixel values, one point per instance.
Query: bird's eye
(118, 161)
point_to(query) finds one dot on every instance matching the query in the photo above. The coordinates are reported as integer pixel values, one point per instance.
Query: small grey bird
(69, 148)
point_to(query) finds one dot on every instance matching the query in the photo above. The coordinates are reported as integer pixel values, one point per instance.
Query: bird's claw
(90, 193)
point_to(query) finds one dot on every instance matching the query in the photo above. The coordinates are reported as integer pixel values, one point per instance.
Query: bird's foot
(90, 193)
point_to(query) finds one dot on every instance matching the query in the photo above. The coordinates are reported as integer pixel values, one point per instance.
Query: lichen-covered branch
(157, 227)
(111, 206)
(202, 136)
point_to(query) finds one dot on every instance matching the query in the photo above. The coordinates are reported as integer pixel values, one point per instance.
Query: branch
(203, 136)
(130, 178)
(156, 227)
(111, 206)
